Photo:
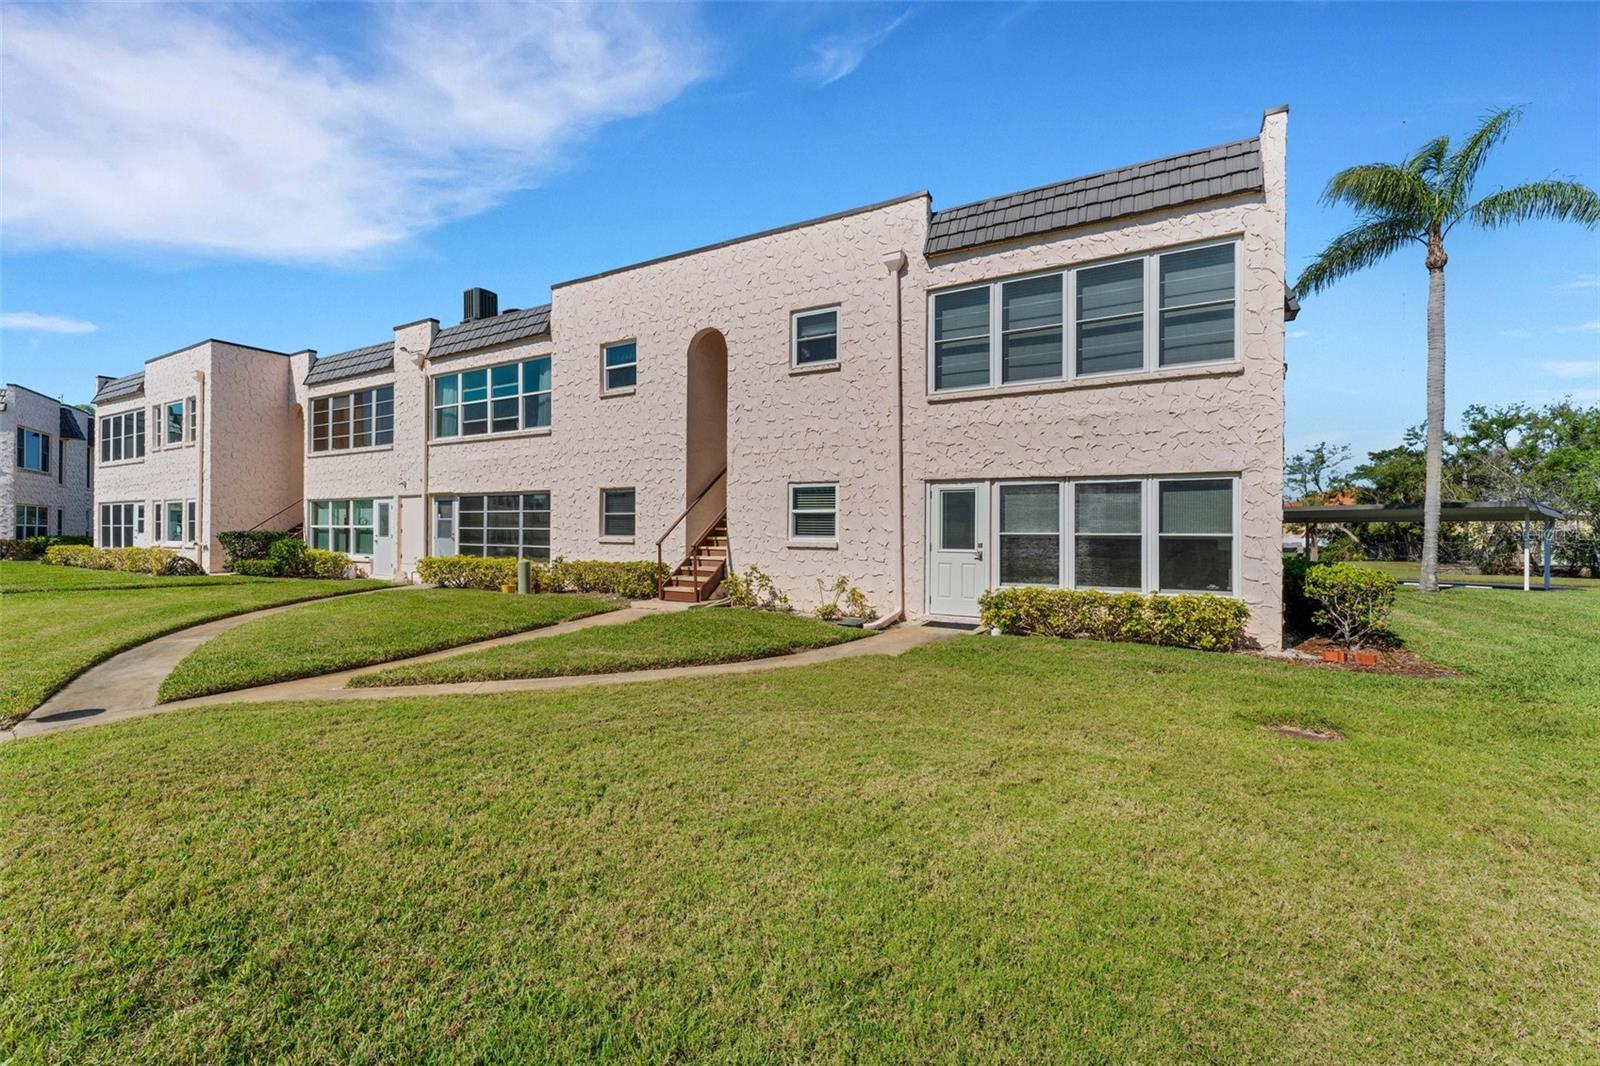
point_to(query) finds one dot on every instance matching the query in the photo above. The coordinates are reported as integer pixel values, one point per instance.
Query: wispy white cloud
(1573, 368)
(1518, 333)
(838, 55)
(215, 130)
(1296, 334)
(1583, 281)
(1587, 327)
(33, 322)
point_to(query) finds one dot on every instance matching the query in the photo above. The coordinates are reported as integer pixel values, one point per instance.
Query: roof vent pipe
(479, 303)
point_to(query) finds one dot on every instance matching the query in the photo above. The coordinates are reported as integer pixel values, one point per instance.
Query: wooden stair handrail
(660, 561)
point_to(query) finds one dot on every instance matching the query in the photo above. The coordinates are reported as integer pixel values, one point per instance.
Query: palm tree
(1422, 200)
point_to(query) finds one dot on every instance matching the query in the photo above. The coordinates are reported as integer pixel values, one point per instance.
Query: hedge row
(1209, 623)
(631, 580)
(34, 547)
(289, 557)
(242, 544)
(158, 561)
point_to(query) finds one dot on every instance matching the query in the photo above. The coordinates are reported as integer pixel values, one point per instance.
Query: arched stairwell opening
(704, 520)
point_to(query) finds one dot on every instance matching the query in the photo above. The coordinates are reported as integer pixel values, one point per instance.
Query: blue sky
(305, 176)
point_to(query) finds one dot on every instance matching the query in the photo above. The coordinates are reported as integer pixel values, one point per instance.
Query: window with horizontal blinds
(1031, 329)
(1030, 534)
(1111, 318)
(619, 366)
(1108, 546)
(1197, 305)
(616, 512)
(1195, 543)
(360, 419)
(961, 339)
(814, 512)
(816, 337)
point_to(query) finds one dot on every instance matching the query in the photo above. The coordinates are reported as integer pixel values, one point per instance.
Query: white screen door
(957, 572)
(382, 541)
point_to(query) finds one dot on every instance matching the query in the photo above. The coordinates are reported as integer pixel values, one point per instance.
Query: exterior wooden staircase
(697, 577)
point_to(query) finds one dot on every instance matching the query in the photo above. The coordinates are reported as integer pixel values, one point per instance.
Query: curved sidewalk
(125, 685)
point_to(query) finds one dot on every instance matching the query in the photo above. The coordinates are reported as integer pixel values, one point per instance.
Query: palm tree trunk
(1435, 447)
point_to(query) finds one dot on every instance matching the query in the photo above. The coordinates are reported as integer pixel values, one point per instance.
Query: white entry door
(382, 539)
(958, 535)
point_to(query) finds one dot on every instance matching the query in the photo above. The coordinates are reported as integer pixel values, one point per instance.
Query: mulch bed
(1391, 660)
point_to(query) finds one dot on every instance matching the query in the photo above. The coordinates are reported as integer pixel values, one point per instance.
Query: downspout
(895, 263)
(419, 359)
(202, 522)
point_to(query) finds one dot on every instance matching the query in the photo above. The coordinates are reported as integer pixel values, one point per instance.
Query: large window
(496, 399)
(1108, 548)
(814, 337)
(1030, 534)
(619, 366)
(616, 512)
(32, 521)
(1017, 330)
(363, 419)
(342, 526)
(33, 450)
(121, 524)
(1196, 542)
(122, 437)
(813, 512)
(509, 524)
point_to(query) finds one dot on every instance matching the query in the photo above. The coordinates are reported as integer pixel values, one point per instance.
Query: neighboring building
(47, 488)
(1080, 384)
(204, 440)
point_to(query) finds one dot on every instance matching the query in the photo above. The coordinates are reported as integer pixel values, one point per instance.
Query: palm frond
(1381, 190)
(1355, 250)
(1430, 158)
(1461, 169)
(1559, 201)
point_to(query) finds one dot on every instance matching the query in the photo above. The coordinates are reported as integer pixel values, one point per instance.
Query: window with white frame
(190, 523)
(1108, 540)
(121, 524)
(360, 419)
(1017, 330)
(1030, 534)
(31, 521)
(814, 512)
(191, 417)
(33, 450)
(514, 524)
(444, 518)
(173, 526)
(1195, 545)
(122, 437)
(616, 512)
(342, 526)
(814, 337)
(173, 420)
(619, 366)
(496, 399)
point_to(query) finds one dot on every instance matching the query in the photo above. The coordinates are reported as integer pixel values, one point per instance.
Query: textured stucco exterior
(65, 488)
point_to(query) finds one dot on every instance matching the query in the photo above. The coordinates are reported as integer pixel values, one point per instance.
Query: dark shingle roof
(357, 361)
(1161, 183)
(70, 428)
(121, 388)
(487, 332)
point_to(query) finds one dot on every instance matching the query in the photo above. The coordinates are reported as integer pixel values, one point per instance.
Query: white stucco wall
(64, 488)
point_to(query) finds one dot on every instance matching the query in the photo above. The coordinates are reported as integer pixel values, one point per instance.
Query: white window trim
(1150, 310)
(185, 532)
(800, 539)
(134, 524)
(21, 510)
(1071, 514)
(605, 376)
(183, 424)
(1152, 517)
(452, 504)
(794, 337)
(997, 536)
(351, 526)
(434, 437)
(619, 538)
(328, 397)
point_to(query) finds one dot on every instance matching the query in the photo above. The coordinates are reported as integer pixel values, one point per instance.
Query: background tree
(1318, 472)
(1422, 200)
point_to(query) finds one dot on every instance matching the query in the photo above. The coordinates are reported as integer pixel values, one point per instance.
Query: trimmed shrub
(161, 562)
(250, 543)
(470, 571)
(1203, 622)
(633, 580)
(318, 562)
(35, 547)
(89, 558)
(255, 568)
(1352, 602)
(288, 555)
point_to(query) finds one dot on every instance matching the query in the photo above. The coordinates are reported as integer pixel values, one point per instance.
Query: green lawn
(37, 577)
(684, 638)
(1411, 571)
(48, 638)
(988, 849)
(341, 635)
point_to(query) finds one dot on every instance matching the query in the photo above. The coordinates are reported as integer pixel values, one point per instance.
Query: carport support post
(522, 576)
(1525, 556)
(1547, 538)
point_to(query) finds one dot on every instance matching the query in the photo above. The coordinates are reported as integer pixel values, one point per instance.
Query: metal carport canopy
(1489, 511)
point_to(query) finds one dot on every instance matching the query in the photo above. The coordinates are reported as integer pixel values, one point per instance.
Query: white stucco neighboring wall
(65, 488)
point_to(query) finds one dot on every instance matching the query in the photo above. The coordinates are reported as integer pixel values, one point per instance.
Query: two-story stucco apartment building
(1075, 385)
(47, 489)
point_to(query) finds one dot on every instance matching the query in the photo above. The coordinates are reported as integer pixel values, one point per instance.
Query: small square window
(813, 512)
(815, 337)
(620, 366)
(616, 512)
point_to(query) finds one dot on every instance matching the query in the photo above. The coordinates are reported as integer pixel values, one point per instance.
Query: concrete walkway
(125, 686)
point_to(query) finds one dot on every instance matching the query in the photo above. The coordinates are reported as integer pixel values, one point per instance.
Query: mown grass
(327, 637)
(48, 638)
(1412, 571)
(683, 638)
(988, 849)
(18, 576)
